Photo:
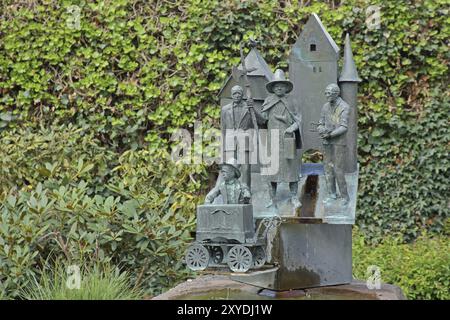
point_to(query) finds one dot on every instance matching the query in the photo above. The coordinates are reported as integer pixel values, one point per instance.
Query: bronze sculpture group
(253, 219)
(281, 118)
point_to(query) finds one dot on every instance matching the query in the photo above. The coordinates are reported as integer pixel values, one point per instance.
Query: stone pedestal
(304, 255)
(220, 287)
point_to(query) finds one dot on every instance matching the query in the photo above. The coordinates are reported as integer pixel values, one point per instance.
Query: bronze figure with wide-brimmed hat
(230, 188)
(284, 129)
(279, 77)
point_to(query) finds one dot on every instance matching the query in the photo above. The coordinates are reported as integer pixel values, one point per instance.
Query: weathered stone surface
(221, 287)
(304, 255)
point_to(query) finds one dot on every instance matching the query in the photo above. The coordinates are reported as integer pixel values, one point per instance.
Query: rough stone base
(304, 255)
(221, 287)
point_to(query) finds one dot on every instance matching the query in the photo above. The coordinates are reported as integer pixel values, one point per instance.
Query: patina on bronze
(247, 223)
(231, 189)
(239, 122)
(332, 128)
(238, 140)
(282, 119)
(226, 233)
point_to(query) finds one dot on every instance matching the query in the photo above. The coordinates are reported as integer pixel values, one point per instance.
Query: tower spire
(348, 81)
(349, 72)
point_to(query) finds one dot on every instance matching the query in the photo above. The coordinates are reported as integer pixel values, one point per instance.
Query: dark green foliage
(137, 70)
(138, 218)
(405, 182)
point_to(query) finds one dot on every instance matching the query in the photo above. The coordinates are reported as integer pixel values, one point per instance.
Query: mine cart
(226, 235)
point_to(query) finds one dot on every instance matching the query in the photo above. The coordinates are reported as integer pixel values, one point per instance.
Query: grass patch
(100, 282)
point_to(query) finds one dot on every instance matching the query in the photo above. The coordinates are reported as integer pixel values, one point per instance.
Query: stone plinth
(222, 287)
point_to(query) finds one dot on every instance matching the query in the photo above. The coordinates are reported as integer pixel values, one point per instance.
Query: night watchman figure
(236, 122)
(231, 189)
(332, 128)
(281, 118)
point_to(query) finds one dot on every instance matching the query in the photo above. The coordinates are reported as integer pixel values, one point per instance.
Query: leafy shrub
(56, 155)
(101, 282)
(141, 221)
(421, 269)
(146, 238)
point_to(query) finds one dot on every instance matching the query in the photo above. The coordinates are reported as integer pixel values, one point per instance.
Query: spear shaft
(249, 94)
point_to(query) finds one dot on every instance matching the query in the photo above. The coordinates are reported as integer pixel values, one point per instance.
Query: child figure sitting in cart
(231, 189)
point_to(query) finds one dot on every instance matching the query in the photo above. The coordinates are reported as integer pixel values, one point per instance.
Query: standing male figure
(237, 136)
(332, 128)
(283, 121)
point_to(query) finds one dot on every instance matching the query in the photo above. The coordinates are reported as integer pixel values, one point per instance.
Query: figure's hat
(233, 164)
(279, 77)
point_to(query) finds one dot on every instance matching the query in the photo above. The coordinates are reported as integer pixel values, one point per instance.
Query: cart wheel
(239, 258)
(197, 257)
(259, 257)
(216, 254)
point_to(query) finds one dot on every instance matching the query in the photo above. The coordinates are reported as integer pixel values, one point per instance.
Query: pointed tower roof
(315, 43)
(256, 66)
(317, 20)
(349, 72)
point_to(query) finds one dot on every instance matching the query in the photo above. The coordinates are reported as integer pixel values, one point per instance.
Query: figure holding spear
(239, 122)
